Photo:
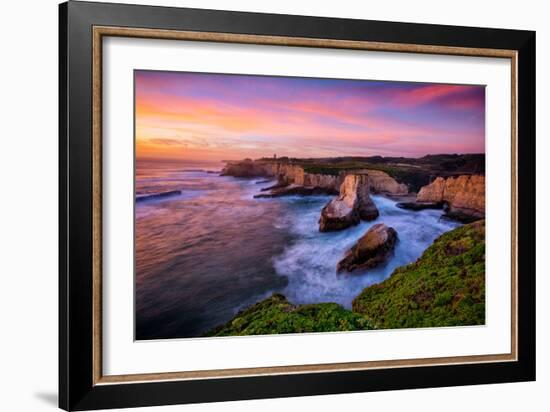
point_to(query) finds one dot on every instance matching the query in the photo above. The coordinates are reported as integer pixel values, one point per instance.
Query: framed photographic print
(256, 205)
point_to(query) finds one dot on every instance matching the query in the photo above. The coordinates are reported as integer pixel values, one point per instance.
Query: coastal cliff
(351, 206)
(294, 174)
(464, 195)
(382, 183)
(245, 168)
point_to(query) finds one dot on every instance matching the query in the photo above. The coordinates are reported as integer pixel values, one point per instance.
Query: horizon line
(174, 159)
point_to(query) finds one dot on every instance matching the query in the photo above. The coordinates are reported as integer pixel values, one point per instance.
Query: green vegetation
(445, 287)
(277, 315)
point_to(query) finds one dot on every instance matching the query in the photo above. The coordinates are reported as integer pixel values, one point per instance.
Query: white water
(310, 261)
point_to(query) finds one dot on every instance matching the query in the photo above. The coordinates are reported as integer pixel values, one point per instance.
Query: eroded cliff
(464, 195)
(294, 174)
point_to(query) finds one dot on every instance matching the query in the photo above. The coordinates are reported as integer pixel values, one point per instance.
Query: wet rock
(156, 196)
(420, 205)
(295, 190)
(372, 249)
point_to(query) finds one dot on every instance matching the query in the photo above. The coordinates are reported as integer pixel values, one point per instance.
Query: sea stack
(372, 249)
(351, 206)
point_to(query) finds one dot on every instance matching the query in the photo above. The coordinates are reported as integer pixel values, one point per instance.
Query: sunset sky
(212, 117)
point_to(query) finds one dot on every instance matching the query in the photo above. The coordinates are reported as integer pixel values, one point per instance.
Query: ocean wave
(310, 261)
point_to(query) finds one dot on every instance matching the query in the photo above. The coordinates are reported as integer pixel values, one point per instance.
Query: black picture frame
(77, 390)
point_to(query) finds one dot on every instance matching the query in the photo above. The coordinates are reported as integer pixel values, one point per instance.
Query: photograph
(281, 204)
(276, 205)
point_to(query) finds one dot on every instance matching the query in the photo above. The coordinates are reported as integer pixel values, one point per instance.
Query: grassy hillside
(445, 287)
(276, 315)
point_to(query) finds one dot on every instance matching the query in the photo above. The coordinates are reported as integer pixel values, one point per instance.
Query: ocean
(210, 249)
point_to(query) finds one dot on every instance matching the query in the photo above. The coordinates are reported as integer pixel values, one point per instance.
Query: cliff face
(287, 173)
(295, 174)
(324, 181)
(245, 168)
(464, 194)
(352, 205)
(379, 182)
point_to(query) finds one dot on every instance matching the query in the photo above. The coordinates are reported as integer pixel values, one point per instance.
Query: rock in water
(372, 249)
(367, 209)
(416, 206)
(294, 190)
(352, 205)
(156, 196)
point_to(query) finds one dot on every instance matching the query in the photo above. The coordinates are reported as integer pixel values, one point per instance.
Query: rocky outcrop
(295, 174)
(464, 195)
(295, 190)
(372, 249)
(416, 206)
(383, 183)
(379, 182)
(279, 185)
(245, 168)
(288, 173)
(156, 196)
(350, 207)
(325, 181)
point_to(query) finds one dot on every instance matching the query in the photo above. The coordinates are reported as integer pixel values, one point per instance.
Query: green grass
(276, 315)
(332, 169)
(445, 287)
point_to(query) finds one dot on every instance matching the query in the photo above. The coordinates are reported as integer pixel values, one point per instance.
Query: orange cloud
(222, 124)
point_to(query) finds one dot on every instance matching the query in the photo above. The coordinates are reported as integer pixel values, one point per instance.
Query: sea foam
(310, 261)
